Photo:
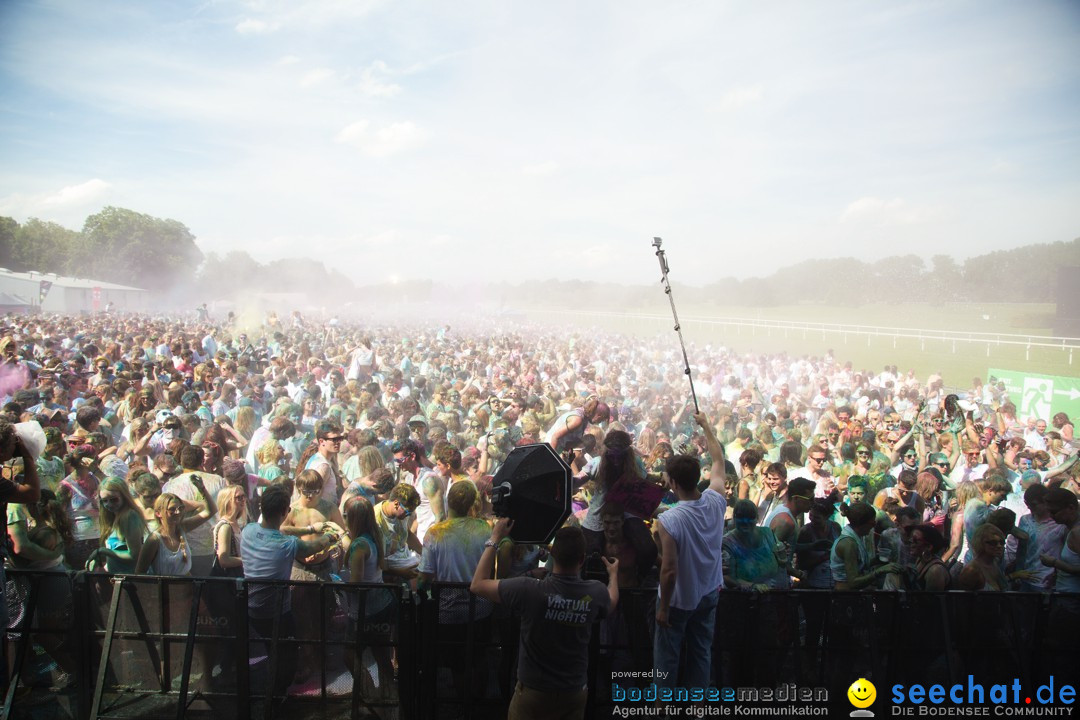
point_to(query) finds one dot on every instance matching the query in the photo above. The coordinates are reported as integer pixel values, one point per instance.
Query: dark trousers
(286, 653)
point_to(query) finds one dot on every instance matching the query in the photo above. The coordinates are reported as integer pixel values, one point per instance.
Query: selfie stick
(678, 328)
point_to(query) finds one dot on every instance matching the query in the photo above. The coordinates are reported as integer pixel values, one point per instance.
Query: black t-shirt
(557, 614)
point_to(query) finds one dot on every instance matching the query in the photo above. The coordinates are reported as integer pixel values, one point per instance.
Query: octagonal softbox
(533, 488)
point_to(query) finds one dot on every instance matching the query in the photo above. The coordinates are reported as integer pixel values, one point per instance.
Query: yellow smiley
(862, 693)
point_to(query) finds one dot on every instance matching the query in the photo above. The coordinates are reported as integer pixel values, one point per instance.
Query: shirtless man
(310, 517)
(903, 492)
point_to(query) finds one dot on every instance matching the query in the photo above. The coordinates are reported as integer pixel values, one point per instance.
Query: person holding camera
(557, 614)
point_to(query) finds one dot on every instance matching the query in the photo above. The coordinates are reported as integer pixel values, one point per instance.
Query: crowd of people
(286, 450)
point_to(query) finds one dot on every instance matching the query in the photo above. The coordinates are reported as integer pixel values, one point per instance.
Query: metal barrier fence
(97, 646)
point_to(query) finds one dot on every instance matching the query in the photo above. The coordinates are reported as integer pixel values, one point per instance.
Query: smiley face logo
(862, 693)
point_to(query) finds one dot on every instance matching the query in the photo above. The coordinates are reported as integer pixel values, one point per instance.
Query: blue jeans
(697, 627)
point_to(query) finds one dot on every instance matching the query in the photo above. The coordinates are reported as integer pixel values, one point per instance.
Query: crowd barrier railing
(94, 646)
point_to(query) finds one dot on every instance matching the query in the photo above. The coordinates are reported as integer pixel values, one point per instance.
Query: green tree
(900, 276)
(223, 276)
(945, 279)
(132, 248)
(8, 228)
(43, 246)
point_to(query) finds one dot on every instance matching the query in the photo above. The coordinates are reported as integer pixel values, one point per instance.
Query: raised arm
(612, 580)
(718, 480)
(191, 522)
(894, 454)
(482, 583)
(1059, 469)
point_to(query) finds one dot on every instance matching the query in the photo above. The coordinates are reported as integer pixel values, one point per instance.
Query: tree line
(131, 248)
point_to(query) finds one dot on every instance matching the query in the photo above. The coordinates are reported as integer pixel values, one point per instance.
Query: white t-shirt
(452, 550)
(425, 516)
(201, 539)
(697, 526)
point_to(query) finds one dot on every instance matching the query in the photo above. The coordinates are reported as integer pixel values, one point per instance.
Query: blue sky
(554, 139)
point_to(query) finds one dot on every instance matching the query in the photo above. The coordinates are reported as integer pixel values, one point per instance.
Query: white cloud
(89, 191)
(383, 141)
(386, 238)
(595, 255)
(253, 26)
(741, 97)
(875, 211)
(67, 206)
(318, 76)
(669, 133)
(1002, 167)
(544, 168)
(372, 86)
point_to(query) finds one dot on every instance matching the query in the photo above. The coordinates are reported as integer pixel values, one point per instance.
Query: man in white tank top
(691, 538)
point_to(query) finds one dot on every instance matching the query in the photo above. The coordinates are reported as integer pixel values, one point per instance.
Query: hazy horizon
(426, 141)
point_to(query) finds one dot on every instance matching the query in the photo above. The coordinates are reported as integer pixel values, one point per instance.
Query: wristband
(489, 543)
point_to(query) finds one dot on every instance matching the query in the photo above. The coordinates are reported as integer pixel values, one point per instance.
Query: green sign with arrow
(1041, 396)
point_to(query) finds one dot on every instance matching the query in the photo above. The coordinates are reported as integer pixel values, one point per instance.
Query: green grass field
(958, 361)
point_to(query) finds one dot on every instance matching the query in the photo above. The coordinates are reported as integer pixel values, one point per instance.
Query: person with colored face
(750, 554)
(123, 529)
(850, 558)
(401, 546)
(909, 460)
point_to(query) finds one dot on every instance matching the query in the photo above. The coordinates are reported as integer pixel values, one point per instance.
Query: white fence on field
(764, 327)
